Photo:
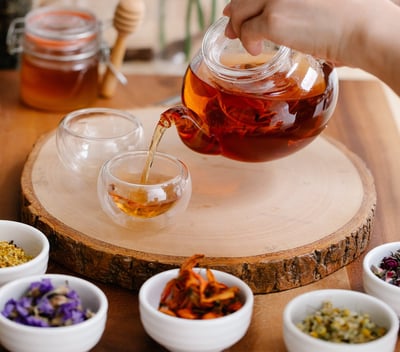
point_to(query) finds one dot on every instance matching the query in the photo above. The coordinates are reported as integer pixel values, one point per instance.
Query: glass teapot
(253, 108)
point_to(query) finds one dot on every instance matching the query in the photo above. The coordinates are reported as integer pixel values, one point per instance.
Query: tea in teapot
(252, 108)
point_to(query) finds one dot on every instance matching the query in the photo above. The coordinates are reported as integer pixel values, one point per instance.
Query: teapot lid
(228, 59)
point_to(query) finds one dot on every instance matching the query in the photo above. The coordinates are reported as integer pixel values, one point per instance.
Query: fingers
(239, 11)
(253, 47)
(252, 36)
(227, 10)
(229, 32)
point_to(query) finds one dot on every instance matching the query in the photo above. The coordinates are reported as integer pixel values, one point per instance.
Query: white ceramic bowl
(87, 138)
(306, 304)
(375, 286)
(32, 241)
(179, 334)
(80, 337)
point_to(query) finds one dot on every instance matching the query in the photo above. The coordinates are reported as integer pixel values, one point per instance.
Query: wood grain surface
(277, 225)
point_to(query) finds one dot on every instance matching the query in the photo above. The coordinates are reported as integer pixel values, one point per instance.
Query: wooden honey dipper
(128, 15)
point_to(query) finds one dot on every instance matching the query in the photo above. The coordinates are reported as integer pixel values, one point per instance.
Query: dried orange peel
(191, 296)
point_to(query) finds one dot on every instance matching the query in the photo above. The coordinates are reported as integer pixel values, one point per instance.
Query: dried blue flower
(23, 306)
(44, 305)
(9, 307)
(40, 288)
(77, 317)
(36, 321)
(73, 295)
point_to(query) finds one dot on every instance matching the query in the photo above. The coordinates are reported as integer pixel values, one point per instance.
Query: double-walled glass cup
(87, 138)
(131, 197)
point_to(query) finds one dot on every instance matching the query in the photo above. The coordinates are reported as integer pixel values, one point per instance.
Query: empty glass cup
(87, 138)
(131, 200)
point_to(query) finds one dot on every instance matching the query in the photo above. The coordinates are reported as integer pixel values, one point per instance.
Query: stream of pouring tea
(163, 124)
(135, 204)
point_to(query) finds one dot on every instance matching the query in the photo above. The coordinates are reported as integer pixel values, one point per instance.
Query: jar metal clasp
(14, 34)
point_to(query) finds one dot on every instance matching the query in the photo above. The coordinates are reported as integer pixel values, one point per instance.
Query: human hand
(321, 28)
(356, 33)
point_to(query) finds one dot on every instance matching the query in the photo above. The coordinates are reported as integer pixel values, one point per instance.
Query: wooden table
(363, 122)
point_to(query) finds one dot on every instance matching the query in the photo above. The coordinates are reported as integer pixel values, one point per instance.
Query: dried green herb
(341, 325)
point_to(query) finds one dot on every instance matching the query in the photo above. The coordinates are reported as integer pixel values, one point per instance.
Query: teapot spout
(192, 129)
(185, 119)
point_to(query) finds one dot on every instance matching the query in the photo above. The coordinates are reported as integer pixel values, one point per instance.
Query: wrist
(377, 48)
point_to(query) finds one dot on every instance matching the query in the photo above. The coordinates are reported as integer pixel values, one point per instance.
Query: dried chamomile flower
(340, 325)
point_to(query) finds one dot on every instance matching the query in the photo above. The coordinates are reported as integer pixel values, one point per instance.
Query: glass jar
(253, 108)
(60, 57)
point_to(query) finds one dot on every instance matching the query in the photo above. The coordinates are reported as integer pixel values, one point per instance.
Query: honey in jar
(60, 56)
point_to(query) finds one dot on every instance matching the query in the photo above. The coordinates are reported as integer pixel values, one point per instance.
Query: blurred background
(171, 31)
(164, 43)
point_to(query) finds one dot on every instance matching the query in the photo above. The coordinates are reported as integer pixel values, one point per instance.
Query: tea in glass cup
(130, 199)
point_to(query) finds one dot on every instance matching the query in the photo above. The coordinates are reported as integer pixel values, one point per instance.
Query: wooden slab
(277, 225)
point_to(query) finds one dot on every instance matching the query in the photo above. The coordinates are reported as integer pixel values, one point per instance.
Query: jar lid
(61, 30)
